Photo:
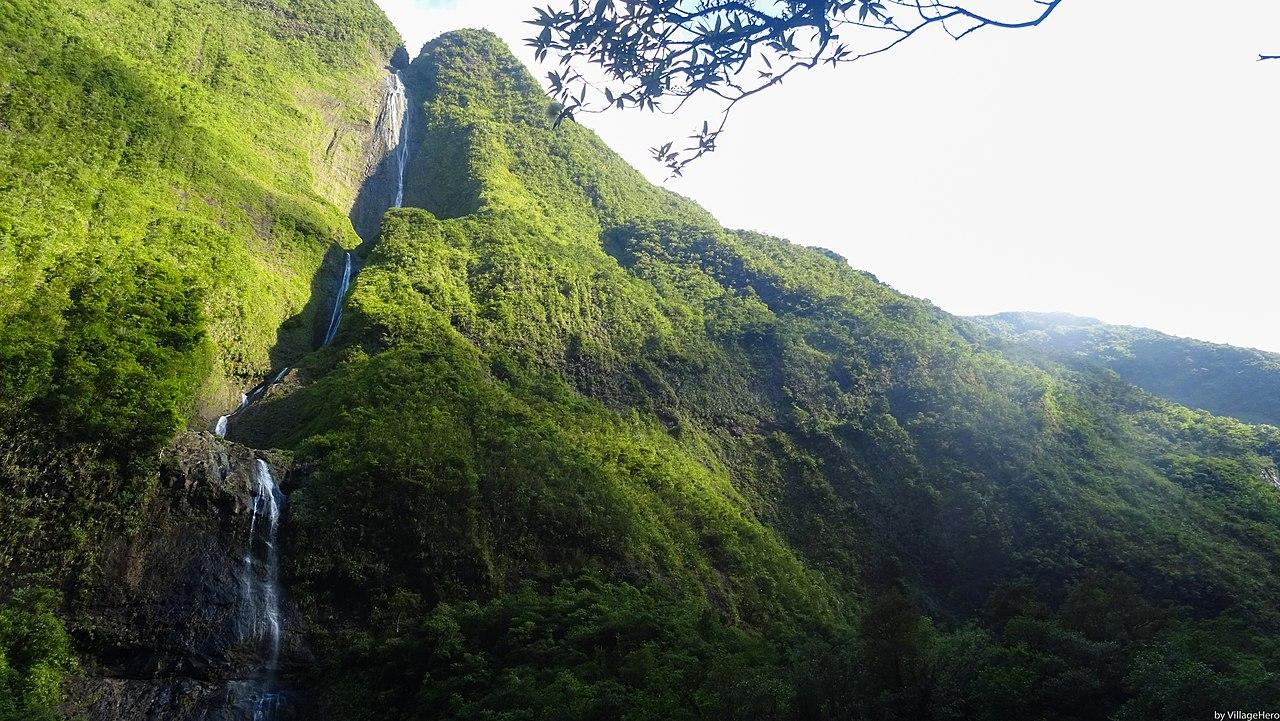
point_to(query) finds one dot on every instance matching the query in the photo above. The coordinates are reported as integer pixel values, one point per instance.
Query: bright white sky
(1121, 161)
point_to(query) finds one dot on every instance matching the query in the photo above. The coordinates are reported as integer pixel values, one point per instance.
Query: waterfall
(260, 612)
(261, 615)
(268, 706)
(246, 400)
(394, 126)
(336, 317)
(392, 130)
(220, 428)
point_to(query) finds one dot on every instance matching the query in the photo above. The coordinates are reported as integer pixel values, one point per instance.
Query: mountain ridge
(1223, 379)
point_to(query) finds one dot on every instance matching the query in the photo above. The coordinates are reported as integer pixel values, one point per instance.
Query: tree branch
(656, 54)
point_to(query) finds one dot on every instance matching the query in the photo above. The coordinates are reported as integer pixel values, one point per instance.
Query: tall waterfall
(393, 122)
(260, 611)
(261, 614)
(392, 128)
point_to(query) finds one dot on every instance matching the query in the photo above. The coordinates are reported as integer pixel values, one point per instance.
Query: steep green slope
(1222, 379)
(578, 452)
(172, 175)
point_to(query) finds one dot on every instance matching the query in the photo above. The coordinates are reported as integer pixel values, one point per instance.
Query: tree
(657, 54)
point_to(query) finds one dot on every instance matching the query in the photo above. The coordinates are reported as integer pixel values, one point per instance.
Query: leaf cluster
(657, 54)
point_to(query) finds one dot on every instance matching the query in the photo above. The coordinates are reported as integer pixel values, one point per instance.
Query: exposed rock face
(183, 699)
(343, 159)
(386, 154)
(1269, 475)
(400, 58)
(165, 620)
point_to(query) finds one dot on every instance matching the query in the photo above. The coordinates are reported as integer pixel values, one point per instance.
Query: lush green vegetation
(35, 654)
(578, 451)
(171, 174)
(1238, 382)
(581, 453)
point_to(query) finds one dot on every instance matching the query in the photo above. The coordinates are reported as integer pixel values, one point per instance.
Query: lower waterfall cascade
(335, 318)
(261, 613)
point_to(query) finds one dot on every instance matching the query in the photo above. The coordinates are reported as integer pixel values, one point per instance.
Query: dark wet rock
(163, 628)
(382, 174)
(400, 58)
(145, 699)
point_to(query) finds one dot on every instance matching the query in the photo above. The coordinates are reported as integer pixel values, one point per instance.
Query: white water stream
(336, 317)
(261, 612)
(246, 400)
(393, 128)
(261, 615)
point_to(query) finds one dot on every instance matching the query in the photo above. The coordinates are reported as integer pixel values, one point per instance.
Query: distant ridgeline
(1225, 380)
(577, 451)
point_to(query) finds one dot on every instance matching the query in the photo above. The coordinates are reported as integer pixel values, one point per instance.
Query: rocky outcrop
(179, 698)
(1269, 475)
(164, 620)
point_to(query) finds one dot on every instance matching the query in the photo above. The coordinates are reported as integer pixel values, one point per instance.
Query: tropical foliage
(581, 453)
(166, 198)
(577, 451)
(35, 655)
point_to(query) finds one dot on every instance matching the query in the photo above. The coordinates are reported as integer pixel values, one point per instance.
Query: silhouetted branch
(656, 54)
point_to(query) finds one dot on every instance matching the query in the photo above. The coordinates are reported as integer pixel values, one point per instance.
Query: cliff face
(168, 623)
(175, 184)
(386, 153)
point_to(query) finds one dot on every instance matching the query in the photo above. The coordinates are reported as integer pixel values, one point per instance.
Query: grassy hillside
(172, 174)
(579, 452)
(1239, 382)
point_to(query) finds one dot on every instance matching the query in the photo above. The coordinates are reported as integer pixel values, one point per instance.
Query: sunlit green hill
(172, 175)
(583, 453)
